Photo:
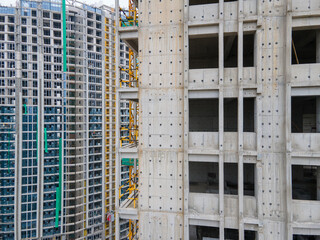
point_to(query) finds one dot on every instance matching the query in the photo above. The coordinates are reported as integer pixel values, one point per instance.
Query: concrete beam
(130, 36)
(305, 91)
(128, 213)
(318, 46)
(129, 152)
(203, 31)
(203, 94)
(129, 94)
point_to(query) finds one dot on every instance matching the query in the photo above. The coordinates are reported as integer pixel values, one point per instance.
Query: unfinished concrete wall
(260, 144)
(161, 99)
(218, 88)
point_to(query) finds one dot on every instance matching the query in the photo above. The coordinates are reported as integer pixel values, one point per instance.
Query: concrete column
(318, 46)
(318, 114)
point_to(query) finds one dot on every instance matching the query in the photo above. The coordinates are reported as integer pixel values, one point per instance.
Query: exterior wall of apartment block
(56, 124)
(229, 105)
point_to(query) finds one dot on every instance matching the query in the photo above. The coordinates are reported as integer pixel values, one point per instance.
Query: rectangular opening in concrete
(249, 115)
(248, 50)
(305, 237)
(203, 52)
(231, 234)
(250, 235)
(304, 114)
(230, 51)
(199, 2)
(203, 177)
(248, 179)
(203, 233)
(305, 179)
(231, 178)
(212, 233)
(230, 109)
(203, 115)
(304, 46)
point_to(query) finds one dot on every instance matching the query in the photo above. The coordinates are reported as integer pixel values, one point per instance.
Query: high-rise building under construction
(229, 119)
(57, 122)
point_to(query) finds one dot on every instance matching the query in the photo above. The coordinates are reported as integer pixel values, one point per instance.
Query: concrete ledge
(129, 152)
(128, 213)
(130, 36)
(128, 94)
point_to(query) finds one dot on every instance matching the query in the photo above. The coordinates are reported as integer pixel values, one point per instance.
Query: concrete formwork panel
(166, 207)
(161, 100)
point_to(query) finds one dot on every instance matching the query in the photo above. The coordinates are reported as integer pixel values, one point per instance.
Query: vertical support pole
(118, 162)
(221, 120)
(287, 66)
(134, 179)
(240, 118)
(186, 122)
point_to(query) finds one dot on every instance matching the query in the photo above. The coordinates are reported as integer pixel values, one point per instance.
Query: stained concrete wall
(166, 207)
(161, 99)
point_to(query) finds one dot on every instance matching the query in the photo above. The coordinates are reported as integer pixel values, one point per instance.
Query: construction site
(227, 104)
(169, 119)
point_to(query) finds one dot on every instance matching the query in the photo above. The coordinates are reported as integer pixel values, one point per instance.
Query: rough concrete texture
(161, 123)
(166, 207)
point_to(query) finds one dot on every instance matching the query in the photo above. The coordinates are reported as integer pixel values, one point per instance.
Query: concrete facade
(228, 138)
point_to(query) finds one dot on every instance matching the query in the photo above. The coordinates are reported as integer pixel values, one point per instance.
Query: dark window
(304, 47)
(203, 177)
(198, 2)
(203, 52)
(305, 237)
(248, 179)
(304, 114)
(249, 114)
(248, 50)
(231, 178)
(56, 16)
(46, 14)
(203, 115)
(230, 114)
(304, 182)
(230, 51)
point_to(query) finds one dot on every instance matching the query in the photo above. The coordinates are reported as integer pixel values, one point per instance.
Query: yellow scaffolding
(130, 18)
(132, 82)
